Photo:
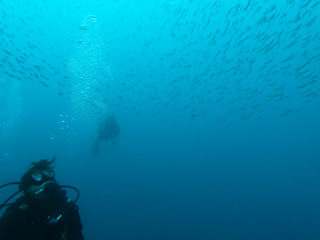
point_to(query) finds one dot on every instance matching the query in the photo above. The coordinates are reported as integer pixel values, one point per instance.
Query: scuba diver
(43, 212)
(108, 129)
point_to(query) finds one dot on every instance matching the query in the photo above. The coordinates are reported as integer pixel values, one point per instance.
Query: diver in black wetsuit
(108, 129)
(43, 212)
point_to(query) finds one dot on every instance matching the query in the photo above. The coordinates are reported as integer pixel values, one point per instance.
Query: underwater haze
(217, 101)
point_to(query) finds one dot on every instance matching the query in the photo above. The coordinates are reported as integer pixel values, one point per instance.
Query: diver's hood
(38, 177)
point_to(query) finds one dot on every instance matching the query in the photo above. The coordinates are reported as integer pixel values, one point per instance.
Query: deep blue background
(218, 104)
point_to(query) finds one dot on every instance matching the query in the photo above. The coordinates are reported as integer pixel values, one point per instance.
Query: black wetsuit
(33, 219)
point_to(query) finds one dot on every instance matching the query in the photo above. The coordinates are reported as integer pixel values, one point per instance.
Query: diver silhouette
(108, 129)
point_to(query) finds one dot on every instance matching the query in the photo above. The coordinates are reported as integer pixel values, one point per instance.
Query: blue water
(217, 101)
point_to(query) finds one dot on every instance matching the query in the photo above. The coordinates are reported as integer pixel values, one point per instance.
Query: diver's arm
(11, 224)
(74, 224)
